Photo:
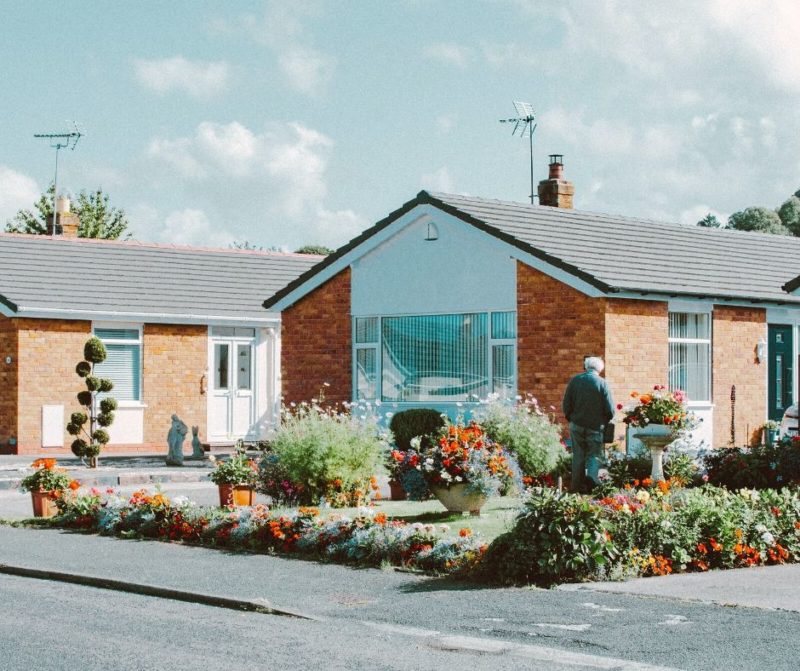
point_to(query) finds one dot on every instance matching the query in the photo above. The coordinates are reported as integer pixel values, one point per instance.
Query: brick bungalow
(450, 298)
(184, 329)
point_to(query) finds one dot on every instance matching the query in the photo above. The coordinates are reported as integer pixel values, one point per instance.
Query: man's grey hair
(593, 363)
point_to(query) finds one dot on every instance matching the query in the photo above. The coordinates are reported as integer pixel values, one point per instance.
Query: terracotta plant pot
(236, 495)
(398, 493)
(457, 499)
(44, 504)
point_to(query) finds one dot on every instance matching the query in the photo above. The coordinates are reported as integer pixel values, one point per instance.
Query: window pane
(225, 331)
(503, 366)
(366, 329)
(243, 366)
(435, 358)
(220, 366)
(117, 334)
(366, 373)
(690, 369)
(242, 332)
(122, 366)
(504, 325)
(689, 325)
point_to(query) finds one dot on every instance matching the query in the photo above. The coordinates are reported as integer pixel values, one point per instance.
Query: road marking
(672, 620)
(604, 609)
(538, 653)
(566, 627)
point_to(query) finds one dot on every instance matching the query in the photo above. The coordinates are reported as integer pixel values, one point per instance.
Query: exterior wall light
(761, 350)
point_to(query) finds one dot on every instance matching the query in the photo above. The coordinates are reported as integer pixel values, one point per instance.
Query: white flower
(416, 526)
(643, 496)
(363, 511)
(459, 478)
(625, 508)
(181, 501)
(445, 475)
(212, 458)
(768, 538)
(603, 474)
(444, 528)
(415, 442)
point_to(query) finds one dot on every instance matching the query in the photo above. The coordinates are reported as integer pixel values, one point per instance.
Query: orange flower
(464, 532)
(647, 482)
(74, 484)
(634, 394)
(380, 518)
(716, 546)
(644, 399)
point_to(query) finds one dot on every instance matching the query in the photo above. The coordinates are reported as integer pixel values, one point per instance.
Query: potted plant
(236, 478)
(660, 416)
(46, 484)
(463, 467)
(771, 428)
(406, 426)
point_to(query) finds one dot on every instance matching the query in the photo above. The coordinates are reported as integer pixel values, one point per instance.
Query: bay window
(435, 358)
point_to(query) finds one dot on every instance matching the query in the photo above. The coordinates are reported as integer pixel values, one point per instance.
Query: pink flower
(679, 396)
(619, 406)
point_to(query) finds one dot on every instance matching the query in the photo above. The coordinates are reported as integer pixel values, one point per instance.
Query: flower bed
(645, 530)
(366, 539)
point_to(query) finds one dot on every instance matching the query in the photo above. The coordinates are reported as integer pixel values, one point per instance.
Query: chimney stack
(555, 191)
(67, 222)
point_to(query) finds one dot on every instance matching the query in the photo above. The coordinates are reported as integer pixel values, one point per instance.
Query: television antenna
(525, 123)
(59, 141)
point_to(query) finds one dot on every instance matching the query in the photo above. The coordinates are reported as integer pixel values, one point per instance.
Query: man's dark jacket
(587, 401)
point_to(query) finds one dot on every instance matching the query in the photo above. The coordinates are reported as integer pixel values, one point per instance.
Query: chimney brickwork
(556, 191)
(67, 223)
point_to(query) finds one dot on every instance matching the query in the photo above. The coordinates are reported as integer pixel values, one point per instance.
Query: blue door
(780, 380)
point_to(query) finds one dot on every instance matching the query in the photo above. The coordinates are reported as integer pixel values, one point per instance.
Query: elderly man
(588, 407)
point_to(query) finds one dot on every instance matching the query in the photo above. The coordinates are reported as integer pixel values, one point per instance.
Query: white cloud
(767, 31)
(192, 227)
(449, 53)
(307, 70)
(439, 180)
(197, 78)
(16, 191)
(268, 186)
(508, 55)
(445, 123)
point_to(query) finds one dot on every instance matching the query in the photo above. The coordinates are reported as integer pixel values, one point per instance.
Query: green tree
(710, 221)
(759, 219)
(314, 249)
(99, 416)
(789, 213)
(98, 219)
(247, 245)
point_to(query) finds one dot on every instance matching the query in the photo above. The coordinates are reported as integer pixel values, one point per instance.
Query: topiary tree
(98, 415)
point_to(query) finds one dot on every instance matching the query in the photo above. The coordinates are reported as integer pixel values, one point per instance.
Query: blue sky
(285, 123)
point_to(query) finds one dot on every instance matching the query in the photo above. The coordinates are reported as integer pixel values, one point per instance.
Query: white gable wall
(464, 270)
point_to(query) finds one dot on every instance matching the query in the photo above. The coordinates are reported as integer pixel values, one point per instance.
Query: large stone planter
(655, 438)
(457, 499)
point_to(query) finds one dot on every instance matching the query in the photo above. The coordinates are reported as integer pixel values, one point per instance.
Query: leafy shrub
(526, 432)
(556, 538)
(238, 470)
(327, 454)
(758, 467)
(627, 469)
(415, 423)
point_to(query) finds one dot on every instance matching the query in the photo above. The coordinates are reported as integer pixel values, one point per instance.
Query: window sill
(131, 404)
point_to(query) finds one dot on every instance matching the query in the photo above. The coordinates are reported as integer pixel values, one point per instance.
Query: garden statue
(175, 438)
(197, 447)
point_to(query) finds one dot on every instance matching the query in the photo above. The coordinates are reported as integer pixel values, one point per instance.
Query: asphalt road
(361, 618)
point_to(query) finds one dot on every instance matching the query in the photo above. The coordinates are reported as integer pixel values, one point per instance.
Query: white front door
(232, 395)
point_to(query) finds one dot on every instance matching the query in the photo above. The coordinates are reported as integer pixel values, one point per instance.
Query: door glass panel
(244, 358)
(220, 366)
(779, 381)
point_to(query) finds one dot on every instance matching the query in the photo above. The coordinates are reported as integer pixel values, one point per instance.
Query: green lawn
(497, 516)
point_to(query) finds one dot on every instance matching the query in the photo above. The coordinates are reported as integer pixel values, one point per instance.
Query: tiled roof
(617, 254)
(628, 254)
(39, 273)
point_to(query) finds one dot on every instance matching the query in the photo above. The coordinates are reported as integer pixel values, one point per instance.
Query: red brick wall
(175, 358)
(736, 331)
(8, 381)
(49, 349)
(556, 327)
(637, 352)
(316, 344)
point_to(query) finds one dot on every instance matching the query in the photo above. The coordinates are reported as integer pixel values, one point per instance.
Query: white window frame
(692, 309)
(139, 341)
(377, 346)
